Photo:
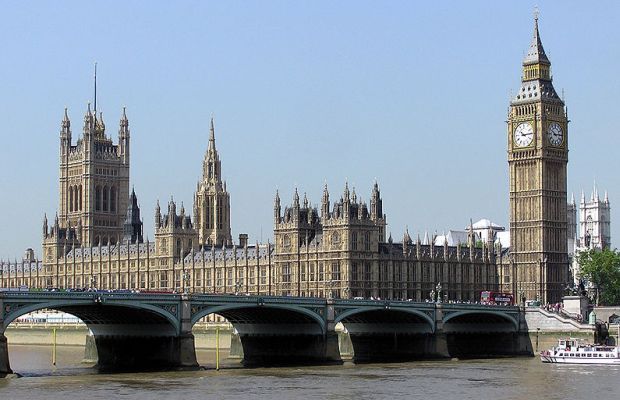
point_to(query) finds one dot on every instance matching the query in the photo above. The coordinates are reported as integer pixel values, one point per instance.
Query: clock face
(555, 134)
(524, 134)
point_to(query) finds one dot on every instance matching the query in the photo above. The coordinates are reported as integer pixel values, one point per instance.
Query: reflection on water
(517, 378)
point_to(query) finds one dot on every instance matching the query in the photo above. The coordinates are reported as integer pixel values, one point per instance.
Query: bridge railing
(254, 299)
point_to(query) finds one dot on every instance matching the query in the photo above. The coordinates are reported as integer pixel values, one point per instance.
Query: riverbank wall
(545, 328)
(205, 336)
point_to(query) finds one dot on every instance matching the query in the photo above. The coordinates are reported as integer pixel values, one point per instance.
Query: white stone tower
(594, 221)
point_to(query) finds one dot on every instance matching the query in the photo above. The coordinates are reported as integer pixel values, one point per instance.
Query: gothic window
(71, 198)
(75, 198)
(321, 275)
(219, 217)
(336, 271)
(367, 272)
(354, 241)
(367, 241)
(303, 271)
(286, 272)
(163, 280)
(230, 277)
(98, 198)
(113, 199)
(354, 272)
(80, 198)
(106, 198)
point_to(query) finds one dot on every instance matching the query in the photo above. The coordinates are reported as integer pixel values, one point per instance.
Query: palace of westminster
(96, 239)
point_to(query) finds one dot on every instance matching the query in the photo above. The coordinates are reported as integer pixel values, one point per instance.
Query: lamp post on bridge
(185, 282)
(238, 286)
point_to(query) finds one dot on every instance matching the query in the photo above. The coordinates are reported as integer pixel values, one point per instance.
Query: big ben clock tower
(537, 158)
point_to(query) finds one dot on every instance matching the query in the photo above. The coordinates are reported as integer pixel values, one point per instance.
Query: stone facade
(340, 251)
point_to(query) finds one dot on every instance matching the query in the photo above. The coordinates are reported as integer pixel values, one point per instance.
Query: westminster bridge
(142, 331)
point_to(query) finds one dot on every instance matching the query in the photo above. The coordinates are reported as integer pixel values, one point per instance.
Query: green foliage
(602, 269)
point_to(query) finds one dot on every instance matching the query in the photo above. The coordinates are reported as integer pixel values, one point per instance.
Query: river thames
(509, 378)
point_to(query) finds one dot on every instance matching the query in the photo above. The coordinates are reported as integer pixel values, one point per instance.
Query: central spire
(211, 164)
(211, 134)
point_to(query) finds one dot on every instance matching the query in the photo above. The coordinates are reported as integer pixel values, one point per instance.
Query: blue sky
(414, 94)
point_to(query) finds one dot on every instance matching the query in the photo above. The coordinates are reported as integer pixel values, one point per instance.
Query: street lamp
(185, 282)
(93, 283)
(237, 287)
(346, 291)
(438, 289)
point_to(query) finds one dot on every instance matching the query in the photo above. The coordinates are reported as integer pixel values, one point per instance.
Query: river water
(497, 379)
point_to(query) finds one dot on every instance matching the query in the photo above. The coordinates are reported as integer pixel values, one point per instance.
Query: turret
(123, 137)
(89, 131)
(45, 226)
(65, 134)
(172, 212)
(157, 216)
(99, 125)
(325, 204)
(184, 221)
(133, 223)
(296, 206)
(375, 203)
(277, 209)
(346, 201)
(406, 241)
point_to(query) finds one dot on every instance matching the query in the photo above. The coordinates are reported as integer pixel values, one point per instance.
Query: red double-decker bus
(496, 298)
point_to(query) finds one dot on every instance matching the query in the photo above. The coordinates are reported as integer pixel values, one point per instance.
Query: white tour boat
(576, 351)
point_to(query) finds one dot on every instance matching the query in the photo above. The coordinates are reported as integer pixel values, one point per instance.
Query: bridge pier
(5, 368)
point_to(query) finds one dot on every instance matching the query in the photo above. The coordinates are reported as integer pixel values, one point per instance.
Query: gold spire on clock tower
(537, 158)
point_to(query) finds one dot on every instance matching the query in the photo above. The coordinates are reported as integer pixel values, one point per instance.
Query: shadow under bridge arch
(276, 334)
(380, 333)
(481, 334)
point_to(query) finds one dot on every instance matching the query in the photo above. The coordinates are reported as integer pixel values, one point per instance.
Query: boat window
(572, 354)
(589, 355)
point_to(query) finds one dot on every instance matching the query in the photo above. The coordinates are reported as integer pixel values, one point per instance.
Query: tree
(601, 268)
